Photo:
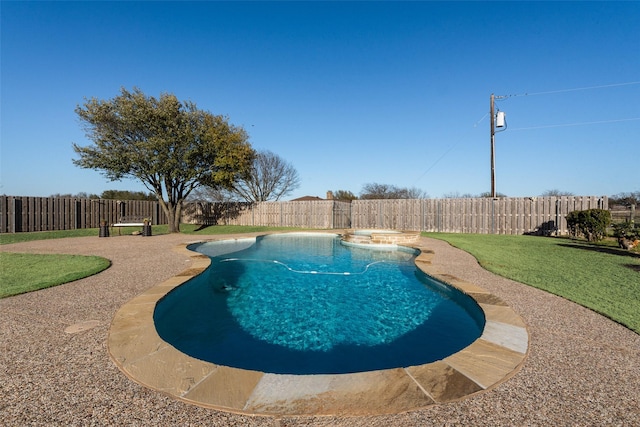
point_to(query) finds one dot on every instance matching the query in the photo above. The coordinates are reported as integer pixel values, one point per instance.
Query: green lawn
(601, 277)
(20, 273)
(6, 238)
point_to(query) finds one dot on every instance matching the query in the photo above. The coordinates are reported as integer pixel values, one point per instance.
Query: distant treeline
(111, 195)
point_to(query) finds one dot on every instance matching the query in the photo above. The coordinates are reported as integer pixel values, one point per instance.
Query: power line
(548, 92)
(478, 122)
(438, 160)
(576, 124)
(451, 147)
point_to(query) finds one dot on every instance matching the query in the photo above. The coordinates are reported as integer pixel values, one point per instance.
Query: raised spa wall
(381, 237)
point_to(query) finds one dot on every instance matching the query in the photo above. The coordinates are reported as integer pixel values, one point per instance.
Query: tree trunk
(173, 213)
(177, 216)
(174, 225)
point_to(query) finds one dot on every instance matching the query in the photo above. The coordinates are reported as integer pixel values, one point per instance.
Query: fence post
(17, 215)
(493, 216)
(557, 225)
(3, 214)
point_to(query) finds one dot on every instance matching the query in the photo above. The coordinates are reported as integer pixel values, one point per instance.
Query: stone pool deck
(55, 368)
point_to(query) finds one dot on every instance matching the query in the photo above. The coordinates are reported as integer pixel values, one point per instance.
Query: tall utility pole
(493, 140)
(493, 147)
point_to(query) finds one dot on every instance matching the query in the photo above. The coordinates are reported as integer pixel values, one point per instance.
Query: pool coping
(137, 350)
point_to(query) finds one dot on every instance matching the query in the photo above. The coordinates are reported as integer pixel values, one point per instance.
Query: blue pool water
(306, 304)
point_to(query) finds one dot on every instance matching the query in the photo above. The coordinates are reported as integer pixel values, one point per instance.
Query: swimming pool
(306, 304)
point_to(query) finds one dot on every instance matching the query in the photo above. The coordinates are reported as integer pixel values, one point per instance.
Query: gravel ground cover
(582, 369)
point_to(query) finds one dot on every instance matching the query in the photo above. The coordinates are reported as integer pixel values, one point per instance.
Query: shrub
(591, 223)
(626, 229)
(572, 223)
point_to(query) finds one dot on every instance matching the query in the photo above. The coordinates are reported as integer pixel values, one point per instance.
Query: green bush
(572, 223)
(626, 229)
(591, 223)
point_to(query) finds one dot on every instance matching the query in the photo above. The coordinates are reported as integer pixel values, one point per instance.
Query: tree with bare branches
(386, 191)
(269, 179)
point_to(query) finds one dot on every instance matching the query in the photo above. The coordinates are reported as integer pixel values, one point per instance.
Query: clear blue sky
(348, 93)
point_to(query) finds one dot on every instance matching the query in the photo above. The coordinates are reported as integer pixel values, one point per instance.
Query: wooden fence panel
(301, 214)
(534, 215)
(449, 215)
(341, 217)
(625, 213)
(443, 212)
(26, 214)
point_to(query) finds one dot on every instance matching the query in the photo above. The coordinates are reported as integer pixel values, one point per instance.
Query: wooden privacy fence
(625, 213)
(541, 215)
(22, 214)
(322, 214)
(527, 215)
